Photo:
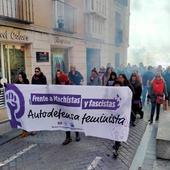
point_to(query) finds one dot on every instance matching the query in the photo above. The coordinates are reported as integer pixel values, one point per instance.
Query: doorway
(59, 61)
(12, 61)
(93, 60)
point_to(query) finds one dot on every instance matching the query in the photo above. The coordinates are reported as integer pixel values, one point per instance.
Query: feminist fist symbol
(12, 105)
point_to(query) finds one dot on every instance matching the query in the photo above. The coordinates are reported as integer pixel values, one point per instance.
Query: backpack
(158, 86)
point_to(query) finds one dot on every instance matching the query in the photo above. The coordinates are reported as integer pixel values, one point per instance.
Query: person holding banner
(112, 79)
(62, 79)
(117, 144)
(75, 77)
(22, 79)
(125, 82)
(114, 82)
(136, 101)
(94, 79)
(38, 77)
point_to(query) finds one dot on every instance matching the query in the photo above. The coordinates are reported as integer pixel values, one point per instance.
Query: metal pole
(2, 61)
(9, 65)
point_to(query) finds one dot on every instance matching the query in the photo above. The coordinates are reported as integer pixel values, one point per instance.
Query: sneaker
(151, 121)
(77, 138)
(67, 141)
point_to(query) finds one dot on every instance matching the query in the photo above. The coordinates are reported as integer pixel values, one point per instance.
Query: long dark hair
(113, 74)
(126, 81)
(138, 82)
(24, 77)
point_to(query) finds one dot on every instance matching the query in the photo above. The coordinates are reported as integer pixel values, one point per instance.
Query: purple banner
(59, 99)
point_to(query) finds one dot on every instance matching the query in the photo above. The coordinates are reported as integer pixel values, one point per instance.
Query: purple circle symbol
(15, 104)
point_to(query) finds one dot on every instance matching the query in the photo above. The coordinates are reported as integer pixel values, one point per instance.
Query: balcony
(17, 11)
(65, 17)
(97, 7)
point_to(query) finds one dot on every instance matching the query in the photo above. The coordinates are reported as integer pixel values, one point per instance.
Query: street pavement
(150, 161)
(44, 151)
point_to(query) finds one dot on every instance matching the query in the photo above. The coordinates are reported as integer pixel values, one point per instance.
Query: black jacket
(41, 79)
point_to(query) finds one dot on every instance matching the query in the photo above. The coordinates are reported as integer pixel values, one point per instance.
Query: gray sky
(149, 32)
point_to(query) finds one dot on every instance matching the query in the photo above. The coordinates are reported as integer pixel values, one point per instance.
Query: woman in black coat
(112, 79)
(125, 82)
(38, 77)
(22, 78)
(136, 101)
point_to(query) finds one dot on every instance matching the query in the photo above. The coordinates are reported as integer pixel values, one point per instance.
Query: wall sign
(13, 35)
(42, 56)
(60, 40)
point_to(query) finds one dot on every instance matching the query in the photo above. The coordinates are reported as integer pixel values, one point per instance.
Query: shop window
(14, 61)
(59, 61)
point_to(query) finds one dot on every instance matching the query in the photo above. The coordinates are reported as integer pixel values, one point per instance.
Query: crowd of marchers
(148, 85)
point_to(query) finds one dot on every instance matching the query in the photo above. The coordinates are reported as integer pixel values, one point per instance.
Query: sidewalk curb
(142, 148)
(7, 137)
(4, 121)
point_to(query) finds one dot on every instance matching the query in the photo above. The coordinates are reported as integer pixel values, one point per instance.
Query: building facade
(54, 34)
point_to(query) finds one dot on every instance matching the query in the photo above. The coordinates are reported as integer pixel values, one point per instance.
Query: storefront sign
(42, 56)
(62, 41)
(98, 111)
(13, 35)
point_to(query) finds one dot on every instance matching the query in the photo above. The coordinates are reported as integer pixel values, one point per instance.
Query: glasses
(36, 71)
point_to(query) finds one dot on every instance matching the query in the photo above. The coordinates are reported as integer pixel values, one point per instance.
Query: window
(118, 30)
(92, 4)
(117, 60)
(122, 2)
(104, 7)
(16, 10)
(65, 17)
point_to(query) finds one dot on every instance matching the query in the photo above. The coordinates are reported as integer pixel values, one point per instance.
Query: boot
(67, 141)
(115, 154)
(68, 138)
(132, 124)
(151, 119)
(141, 114)
(157, 118)
(77, 137)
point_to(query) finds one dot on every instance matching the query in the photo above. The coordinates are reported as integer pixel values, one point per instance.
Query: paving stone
(49, 154)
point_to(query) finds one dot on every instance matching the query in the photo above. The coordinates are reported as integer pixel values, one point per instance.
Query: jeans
(144, 92)
(154, 106)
